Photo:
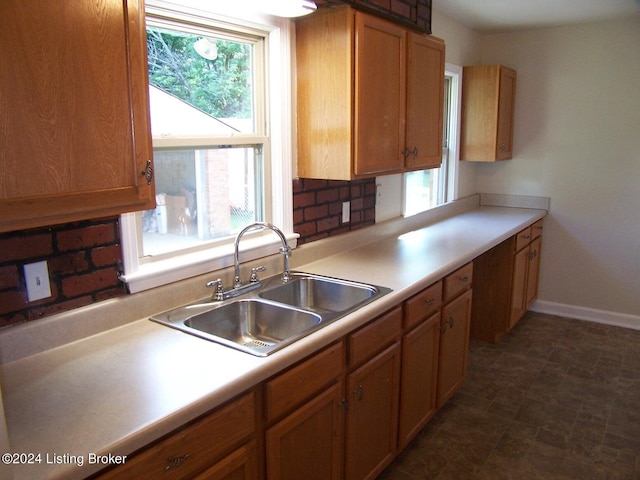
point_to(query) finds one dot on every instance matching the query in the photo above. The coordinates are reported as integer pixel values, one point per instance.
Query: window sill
(163, 272)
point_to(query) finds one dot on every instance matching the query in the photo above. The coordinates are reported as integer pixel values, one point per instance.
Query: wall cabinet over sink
(75, 133)
(370, 96)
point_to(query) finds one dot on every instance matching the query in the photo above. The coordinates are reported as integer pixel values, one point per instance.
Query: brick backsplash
(83, 258)
(317, 207)
(414, 13)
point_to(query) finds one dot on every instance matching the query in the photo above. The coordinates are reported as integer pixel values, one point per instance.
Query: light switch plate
(346, 212)
(37, 278)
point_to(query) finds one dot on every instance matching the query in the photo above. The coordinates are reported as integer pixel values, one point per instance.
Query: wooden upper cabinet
(488, 106)
(75, 130)
(370, 93)
(425, 101)
(379, 95)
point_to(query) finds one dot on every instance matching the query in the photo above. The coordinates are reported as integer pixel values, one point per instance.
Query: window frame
(277, 136)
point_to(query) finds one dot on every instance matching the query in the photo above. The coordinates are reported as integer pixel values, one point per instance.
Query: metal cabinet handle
(358, 393)
(148, 172)
(175, 462)
(431, 301)
(443, 328)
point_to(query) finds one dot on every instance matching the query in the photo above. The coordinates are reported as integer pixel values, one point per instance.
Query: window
(221, 142)
(426, 189)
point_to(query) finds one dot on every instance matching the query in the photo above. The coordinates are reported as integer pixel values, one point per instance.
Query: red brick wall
(83, 258)
(414, 13)
(317, 207)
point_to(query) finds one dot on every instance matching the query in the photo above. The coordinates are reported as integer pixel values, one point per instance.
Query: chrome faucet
(254, 282)
(285, 250)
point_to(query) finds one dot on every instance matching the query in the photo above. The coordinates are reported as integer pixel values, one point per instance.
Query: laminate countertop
(118, 390)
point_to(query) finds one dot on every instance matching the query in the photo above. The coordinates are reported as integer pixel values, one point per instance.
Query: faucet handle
(218, 294)
(254, 273)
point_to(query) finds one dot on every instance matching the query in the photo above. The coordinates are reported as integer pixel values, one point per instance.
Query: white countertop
(116, 391)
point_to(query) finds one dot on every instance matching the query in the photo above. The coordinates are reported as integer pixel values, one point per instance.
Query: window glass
(426, 189)
(203, 194)
(201, 90)
(199, 84)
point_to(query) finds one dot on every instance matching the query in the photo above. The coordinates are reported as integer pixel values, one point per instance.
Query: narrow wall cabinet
(488, 107)
(370, 96)
(75, 136)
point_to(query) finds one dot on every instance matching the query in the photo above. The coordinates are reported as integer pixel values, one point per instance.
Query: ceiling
(495, 16)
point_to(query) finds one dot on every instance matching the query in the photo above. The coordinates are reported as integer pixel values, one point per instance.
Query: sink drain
(257, 344)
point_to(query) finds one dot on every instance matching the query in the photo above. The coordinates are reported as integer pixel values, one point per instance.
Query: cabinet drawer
(373, 337)
(523, 238)
(195, 447)
(423, 304)
(458, 281)
(536, 229)
(293, 387)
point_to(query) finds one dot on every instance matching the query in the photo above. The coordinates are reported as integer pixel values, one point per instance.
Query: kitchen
(565, 128)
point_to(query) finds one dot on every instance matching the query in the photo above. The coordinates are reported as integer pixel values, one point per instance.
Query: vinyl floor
(554, 399)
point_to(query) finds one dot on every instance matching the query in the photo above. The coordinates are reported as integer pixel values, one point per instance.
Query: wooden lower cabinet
(372, 418)
(191, 451)
(506, 283)
(342, 413)
(309, 443)
(454, 344)
(241, 464)
(419, 378)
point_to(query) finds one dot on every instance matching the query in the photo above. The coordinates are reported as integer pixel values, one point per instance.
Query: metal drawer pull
(175, 462)
(463, 279)
(358, 393)
(431, 301)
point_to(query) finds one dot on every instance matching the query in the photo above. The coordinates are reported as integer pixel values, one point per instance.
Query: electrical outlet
(37, 279)
(346, 212)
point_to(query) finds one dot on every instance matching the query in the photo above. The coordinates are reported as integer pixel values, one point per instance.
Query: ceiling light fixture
(288, 8)
(206, 48)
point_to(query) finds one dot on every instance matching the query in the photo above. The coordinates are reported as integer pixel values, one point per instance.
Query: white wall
(577, 140)
(463, 47)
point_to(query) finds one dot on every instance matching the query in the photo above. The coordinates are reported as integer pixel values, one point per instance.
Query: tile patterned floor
(555, 399)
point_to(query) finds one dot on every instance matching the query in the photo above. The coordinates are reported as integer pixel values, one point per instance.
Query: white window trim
(455, 72)
(139, 277)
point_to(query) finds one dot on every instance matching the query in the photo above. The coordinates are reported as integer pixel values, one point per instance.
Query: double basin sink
(276, 315)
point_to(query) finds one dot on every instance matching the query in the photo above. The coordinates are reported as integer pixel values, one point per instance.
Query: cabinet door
(425, 101)
(419, 377)
(239, 465)
(454, 343)
(372, 419)
(75, 131)
(519, 286)
(506, 102)
(379, 95)
(309, 442)
(534, 270)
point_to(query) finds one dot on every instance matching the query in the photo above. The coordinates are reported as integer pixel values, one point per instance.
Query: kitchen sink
(253, 324)
(320, 294)
(275, 315)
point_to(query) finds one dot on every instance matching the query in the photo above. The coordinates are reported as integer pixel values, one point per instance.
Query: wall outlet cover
(36, 276)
